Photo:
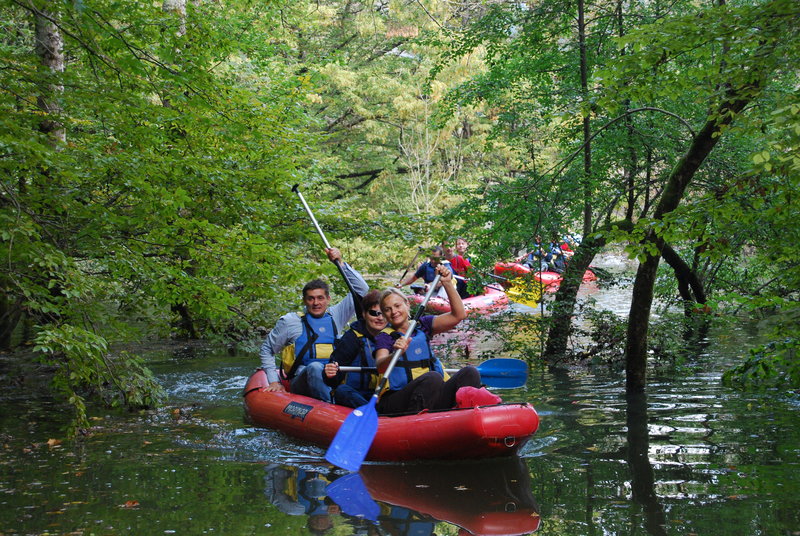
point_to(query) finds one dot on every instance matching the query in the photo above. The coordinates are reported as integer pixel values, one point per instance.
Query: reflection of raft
(456, 434)
(493, 299)
(490, 498)
(549, 280)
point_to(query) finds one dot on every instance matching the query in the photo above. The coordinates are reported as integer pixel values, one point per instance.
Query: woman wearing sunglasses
(356, 348)
(418, 380)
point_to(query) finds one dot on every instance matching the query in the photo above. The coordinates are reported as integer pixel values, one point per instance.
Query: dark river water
(692, 457)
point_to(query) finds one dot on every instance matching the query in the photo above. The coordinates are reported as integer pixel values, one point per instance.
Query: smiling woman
(356, 348)
(419, 382)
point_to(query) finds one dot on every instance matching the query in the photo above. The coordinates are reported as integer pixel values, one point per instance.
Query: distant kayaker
(538, 258)
(461, 248)
(356, 348)
(304, 341)
(418, 380)
(427, 270)
(459, 266)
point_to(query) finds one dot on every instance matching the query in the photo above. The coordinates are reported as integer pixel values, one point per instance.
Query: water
(692, 458)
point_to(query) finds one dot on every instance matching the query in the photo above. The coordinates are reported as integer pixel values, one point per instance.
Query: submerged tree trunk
(680, 177)
(567, 295)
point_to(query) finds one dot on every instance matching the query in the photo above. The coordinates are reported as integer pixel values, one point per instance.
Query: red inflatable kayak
(456, 434)
(493, 299)
(550, 280)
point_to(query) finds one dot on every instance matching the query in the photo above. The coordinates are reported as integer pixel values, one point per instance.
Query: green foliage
(83, 367)
(772, 366)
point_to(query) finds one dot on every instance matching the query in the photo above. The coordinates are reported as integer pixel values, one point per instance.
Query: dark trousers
(344, 395)
(428, 391)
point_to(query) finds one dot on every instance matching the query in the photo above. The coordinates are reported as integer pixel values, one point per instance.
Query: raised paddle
(410, 264)
(351, 443)
(499, 372)
(356, 297)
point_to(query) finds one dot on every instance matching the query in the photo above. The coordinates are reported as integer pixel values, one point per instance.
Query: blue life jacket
(315, 343)
(415, 361)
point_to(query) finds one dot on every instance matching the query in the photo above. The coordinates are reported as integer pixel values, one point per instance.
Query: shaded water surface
(690, 458)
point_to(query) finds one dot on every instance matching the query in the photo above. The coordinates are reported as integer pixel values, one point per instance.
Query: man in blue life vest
(304, 341)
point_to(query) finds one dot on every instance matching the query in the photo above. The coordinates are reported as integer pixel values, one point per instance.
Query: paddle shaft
(375, 369)
(338, 263)
(499, 372)
(410, 264)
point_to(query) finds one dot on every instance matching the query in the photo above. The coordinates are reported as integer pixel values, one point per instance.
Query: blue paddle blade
(504, 372)
(352, 441)
(504, 382)
(350, 493)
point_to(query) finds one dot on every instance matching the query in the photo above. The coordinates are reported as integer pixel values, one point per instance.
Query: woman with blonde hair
(418, 381)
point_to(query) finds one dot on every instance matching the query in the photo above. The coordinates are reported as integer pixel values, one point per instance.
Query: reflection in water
(642, 476)
(486, 498)
(296, 491)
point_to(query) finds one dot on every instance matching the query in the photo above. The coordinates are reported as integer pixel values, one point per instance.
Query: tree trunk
(587, 146)
(689, 285)
(680, 177)
(567, 295)
(50, 49)
(9, 318)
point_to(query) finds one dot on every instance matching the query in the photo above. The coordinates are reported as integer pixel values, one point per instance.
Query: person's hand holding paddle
(334, 255)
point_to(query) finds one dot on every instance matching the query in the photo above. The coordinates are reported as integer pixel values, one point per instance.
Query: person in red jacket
(460, 267)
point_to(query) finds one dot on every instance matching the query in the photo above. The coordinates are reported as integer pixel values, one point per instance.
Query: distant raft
(454, 434)
(550, 281)
(492, 300)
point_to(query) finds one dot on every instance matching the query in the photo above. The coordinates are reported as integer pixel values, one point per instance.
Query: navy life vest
(363, 382)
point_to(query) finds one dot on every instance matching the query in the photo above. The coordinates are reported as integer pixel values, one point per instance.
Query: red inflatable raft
(456, 434)
(550, 280)
(493, 299)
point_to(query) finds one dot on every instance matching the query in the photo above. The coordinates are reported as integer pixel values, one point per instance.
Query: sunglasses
(373, 312)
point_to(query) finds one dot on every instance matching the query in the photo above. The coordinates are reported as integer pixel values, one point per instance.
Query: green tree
(181, 135)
